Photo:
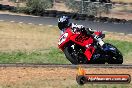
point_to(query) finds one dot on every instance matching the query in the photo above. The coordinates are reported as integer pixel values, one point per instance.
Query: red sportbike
(82, 48)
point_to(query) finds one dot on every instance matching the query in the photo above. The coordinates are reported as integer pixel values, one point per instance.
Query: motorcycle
(82, 48)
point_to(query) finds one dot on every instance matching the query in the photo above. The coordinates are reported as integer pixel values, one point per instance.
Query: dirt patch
(27, 37)
(7, 2)
(126, 1)
(119, 15)
(14, 75)
(47, 77)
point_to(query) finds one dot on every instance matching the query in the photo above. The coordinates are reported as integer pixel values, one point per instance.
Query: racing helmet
(63, 22)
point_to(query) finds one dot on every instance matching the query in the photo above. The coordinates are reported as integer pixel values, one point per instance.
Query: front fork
(90, 49)
(89, 52)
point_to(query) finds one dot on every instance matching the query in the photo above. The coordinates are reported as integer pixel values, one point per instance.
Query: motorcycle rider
(64, 23)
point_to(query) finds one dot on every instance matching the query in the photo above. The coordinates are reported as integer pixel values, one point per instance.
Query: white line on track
(129, 34)
(20, 22)
(40, 24)
(105, 31)
(105, 22)
(30, 23)
(1, 20)
(50, 25)
(122, 33)
(12, 21)
(116, 23)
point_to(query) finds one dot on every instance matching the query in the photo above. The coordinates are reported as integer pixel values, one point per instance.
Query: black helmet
(63, 22)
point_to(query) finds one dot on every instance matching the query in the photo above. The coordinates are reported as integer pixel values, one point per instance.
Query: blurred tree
(36, 7)
(89, 7)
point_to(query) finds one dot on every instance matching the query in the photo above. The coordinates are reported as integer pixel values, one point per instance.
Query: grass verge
(53, 55)
(22, 37)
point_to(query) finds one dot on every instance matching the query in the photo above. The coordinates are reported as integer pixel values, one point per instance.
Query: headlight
(63, 38)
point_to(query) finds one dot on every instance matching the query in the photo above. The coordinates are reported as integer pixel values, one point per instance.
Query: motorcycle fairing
(87, 41)
(61, 45)
(89, 52)
(79, 39)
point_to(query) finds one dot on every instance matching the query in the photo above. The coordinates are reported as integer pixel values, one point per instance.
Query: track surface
(111, 27)
(129, 66)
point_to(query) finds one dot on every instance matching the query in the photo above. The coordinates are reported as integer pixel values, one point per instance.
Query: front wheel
(114, 56)
(69, 55)
(75, 55)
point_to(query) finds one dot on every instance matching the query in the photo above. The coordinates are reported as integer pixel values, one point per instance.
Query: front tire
(115, 56)
(75, 54)
(67, 52)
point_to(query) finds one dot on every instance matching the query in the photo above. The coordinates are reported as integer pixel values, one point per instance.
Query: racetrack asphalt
(110, 27)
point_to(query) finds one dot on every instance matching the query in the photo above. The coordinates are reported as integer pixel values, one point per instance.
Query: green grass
(54, 55)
